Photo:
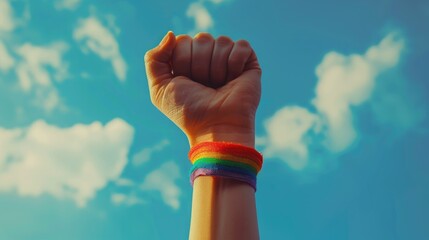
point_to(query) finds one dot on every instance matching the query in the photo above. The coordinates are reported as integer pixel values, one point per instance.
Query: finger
(238, 57)
(252, 63)
(157, 60)
(202, 48)
(219, 62)
(182, 56)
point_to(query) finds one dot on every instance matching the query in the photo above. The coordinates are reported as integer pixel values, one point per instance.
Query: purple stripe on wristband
(222, 173)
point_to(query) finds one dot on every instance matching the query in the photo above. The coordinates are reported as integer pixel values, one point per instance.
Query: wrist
(239, 135)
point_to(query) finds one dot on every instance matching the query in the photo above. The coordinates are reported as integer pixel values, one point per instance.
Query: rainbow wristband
(224, 159)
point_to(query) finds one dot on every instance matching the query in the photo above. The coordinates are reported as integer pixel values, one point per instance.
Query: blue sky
(342, 122)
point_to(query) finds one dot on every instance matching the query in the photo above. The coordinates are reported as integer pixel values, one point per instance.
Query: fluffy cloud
(124, 182)
(347, 81)
(200, 14)
(67, 163)
(67, 4)
(163, 180)
(6, 60)
(145, 154)
(96, 37)
(125, 199)
(35, 66)
(343, 82)
(36, 70)
(33, 70)
(7, 22)
(287, 132)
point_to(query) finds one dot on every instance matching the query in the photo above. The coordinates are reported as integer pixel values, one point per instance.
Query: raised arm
(210, 88)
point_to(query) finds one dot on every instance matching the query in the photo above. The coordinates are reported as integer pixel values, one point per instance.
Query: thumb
(157, 60)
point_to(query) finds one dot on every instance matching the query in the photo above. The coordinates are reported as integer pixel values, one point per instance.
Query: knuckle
(183, 37)
(203, 36)
(224, 40)
(243, 43)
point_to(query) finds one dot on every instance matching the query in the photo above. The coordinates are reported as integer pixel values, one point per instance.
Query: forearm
(223, 208)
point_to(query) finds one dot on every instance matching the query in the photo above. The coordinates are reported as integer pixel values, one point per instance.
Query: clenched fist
(210, 88)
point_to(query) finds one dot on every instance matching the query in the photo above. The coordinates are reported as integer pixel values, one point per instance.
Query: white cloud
(67, 163)
(48, 98)
(100, 40)
(111, 23)
(200, 14)
(287, 136)
(347, 81)
(67, 4)
(343, 82)
(123, 182)
(198, 11)
(7, 22)
(145, 154)
(6, 60)
(126, 199)
(33, 70)
(37, 69)
(163, 180)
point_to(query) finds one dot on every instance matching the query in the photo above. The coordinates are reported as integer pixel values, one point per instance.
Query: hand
(209, 88)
